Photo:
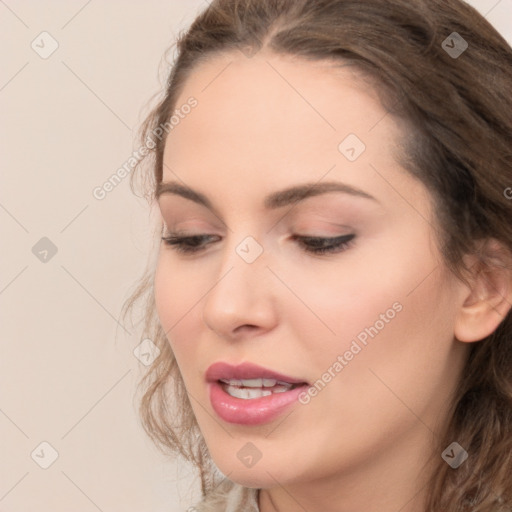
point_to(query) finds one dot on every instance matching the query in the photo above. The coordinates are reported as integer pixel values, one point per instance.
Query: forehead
(272, 99)
(270, 118)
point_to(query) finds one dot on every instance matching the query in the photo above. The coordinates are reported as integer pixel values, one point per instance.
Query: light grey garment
(229, 497)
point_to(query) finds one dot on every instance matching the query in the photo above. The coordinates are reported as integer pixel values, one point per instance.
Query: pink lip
(254, 411)
(222, 370)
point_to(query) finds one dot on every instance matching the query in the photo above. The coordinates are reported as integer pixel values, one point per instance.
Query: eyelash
(313, 244)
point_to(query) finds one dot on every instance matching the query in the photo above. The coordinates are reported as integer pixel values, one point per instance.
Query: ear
(487, 301)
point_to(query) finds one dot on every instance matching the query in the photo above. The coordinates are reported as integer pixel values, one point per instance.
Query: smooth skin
(364, 442)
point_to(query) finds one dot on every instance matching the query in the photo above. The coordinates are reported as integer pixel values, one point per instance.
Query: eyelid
(314, 245)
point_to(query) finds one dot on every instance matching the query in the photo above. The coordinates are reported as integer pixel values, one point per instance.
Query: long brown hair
(459, 109)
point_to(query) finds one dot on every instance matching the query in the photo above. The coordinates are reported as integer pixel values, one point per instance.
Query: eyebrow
(275, 200)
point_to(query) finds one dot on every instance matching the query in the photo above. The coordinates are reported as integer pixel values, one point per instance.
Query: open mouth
(249, 394)
(248, 389)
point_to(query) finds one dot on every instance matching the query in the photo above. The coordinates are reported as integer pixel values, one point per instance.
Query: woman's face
(371, 323)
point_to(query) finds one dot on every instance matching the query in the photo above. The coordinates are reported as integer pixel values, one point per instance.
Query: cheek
(386, 311)
(176, 296)
(389, 368)
(167, 291)
(342, 302)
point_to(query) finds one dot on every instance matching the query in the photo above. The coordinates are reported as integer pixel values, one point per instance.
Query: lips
(218, 371)
(249, 394)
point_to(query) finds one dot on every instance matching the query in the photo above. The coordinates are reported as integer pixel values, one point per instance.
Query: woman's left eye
(322, 245)
(312, 244)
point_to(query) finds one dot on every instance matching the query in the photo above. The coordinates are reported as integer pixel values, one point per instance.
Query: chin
(252, 479)
(263, 475)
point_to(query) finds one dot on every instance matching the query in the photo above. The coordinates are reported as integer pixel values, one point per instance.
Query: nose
(241, 300)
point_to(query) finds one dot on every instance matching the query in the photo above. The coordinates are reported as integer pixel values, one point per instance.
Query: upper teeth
(255, 383)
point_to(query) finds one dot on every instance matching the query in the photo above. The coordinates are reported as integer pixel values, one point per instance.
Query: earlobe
(489, 299)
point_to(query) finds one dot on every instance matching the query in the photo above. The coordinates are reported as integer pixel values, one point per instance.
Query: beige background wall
(67, 368)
